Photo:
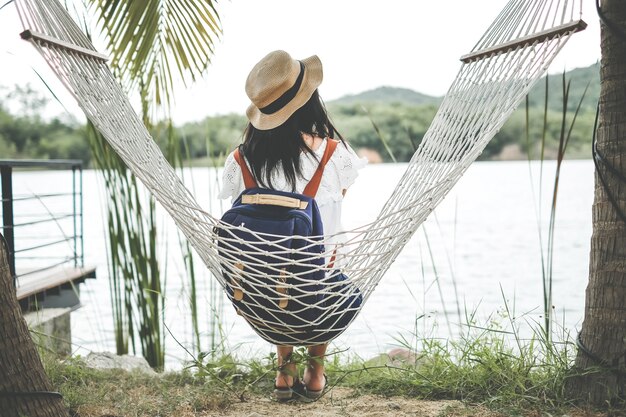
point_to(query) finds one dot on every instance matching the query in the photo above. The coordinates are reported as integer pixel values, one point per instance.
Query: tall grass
(175, 156)
(479, 367)
(215, 295)
(135, 278)
(138, 285)
(547, 249)
(214, 290)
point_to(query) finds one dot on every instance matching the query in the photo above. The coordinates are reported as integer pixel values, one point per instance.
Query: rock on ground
(108, 360)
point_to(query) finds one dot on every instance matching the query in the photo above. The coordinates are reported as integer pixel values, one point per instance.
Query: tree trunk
(24, 386)
(602, 341)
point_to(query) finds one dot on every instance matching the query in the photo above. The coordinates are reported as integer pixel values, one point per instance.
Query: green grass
(564, 134)
(488, 367)
(488, 364)
(121, 393)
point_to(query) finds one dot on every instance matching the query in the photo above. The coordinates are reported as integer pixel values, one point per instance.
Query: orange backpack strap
(248, 179)
(314, 184)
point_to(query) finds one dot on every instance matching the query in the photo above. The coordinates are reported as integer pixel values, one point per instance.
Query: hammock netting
(494, 77)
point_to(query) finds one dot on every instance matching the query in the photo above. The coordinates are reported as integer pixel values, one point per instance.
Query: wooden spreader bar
(45, 39)
(575, 26)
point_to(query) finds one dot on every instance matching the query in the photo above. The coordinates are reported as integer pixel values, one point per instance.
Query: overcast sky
(363, 44)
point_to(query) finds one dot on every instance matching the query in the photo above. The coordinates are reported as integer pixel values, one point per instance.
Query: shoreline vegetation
(371, 121)
(483, 373)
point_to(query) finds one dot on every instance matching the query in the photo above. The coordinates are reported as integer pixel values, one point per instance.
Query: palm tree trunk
(24, 386)
(602, 342)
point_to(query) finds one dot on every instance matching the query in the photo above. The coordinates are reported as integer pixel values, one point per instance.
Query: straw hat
(278, 86)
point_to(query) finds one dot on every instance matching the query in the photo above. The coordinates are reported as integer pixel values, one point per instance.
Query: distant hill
(402, 117)
(578, 77)
(388, 95)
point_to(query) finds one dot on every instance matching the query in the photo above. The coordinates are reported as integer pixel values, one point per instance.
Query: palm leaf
(151, 43)
(154, 42)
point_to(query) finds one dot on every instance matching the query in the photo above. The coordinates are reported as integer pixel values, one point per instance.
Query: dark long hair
(280, 148)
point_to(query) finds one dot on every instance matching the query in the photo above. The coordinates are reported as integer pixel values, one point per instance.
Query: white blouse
(339, 174)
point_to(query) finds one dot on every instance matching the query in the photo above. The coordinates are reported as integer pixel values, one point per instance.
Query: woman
(286, 136)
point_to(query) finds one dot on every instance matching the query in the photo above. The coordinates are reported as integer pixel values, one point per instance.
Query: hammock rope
(494, 77)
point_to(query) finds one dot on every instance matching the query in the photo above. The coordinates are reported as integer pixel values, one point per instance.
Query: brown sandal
(286, 393)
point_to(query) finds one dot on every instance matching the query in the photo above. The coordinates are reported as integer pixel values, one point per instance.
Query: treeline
(392, 129)
(25, 134)
(387, 129)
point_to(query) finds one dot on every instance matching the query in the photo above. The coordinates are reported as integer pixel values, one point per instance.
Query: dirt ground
(111, 398)
(342, 402)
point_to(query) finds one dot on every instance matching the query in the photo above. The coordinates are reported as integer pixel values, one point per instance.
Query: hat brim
(313, 75)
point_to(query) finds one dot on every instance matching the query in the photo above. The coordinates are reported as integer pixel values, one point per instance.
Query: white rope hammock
(505, 63)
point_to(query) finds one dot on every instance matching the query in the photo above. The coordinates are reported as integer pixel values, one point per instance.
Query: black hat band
(287, 96)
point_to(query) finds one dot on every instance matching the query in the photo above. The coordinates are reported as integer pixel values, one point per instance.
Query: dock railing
(42, 225)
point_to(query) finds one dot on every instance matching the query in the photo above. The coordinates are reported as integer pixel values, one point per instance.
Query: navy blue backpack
(306, 305)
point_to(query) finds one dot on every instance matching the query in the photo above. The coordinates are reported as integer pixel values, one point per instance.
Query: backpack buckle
(283, 301)
(235, 282)
(274, 200)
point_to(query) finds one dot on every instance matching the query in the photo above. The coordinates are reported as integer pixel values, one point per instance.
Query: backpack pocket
(272, 270)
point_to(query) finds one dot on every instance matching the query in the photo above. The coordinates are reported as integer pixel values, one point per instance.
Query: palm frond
(153, 43)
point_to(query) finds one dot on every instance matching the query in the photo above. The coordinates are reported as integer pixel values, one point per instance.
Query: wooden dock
(35, 287)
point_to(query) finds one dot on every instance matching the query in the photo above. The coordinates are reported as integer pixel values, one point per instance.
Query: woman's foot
(314, 380)
(285, 376)
(285, 382)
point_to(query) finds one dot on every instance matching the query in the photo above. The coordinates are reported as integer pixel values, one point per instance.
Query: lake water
(479, 250)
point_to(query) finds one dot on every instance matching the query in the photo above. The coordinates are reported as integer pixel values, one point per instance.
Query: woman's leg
(314, 374)
(286, 368)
